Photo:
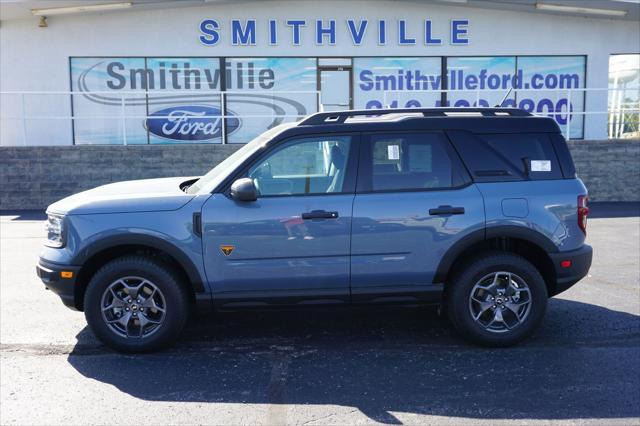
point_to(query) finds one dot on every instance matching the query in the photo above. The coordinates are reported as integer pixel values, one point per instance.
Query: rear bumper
(567, 276)
(50, 274)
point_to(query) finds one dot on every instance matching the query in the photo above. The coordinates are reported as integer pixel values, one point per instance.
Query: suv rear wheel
(136, 304)
(497, 299)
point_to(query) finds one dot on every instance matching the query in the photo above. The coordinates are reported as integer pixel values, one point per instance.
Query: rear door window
(408, 161)
(530, 153)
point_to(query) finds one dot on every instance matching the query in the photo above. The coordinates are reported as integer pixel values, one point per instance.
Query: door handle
(319, 214)
(446, 210)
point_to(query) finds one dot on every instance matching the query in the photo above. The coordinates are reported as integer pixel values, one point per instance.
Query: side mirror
(244, 190)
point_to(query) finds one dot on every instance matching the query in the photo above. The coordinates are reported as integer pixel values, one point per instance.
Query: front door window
(303, 166)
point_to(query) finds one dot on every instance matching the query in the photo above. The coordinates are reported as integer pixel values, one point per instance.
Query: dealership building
(151, 87)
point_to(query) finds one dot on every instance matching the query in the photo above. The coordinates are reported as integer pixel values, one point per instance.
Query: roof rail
(339, 117)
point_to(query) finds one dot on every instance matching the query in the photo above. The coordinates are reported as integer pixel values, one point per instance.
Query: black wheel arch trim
(475, 237)
(178, 255)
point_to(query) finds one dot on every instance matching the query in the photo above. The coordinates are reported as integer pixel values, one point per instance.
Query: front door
(335, 88)
(292, 244)
(413, 203)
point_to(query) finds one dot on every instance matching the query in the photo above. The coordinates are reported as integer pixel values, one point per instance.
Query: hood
(126, 197)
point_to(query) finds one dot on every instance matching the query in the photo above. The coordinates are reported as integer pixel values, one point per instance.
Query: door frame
(347, 68)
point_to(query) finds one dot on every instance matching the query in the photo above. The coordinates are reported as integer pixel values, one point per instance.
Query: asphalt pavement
(386, 365)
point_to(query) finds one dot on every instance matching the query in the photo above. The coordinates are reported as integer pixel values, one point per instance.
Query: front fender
(148, 240)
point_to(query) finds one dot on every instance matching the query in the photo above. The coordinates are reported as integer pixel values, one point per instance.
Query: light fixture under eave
(43, 22)
(80, 9)
(578, 9)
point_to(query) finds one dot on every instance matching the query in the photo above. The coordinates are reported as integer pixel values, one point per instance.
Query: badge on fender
(226, 249)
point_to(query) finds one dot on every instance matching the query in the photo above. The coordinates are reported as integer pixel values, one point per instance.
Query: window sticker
(540, 165)
(393, 152)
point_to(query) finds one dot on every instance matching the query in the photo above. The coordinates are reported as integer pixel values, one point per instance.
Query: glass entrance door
(335, 89)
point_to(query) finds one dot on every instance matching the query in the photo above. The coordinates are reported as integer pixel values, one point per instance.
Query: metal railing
(615, 113)
(16, 107)
(132, 98)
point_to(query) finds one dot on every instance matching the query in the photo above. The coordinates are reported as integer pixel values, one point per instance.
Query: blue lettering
(373, 104)
(321, 32)
(494, 81)
(459, 31)
(527, 105)
(365, 76)
(382, 32)
(428, 36)
(273, 32)
(295, 29)
(545, 104)
(243, 36)
(357, 34)
(209, 29)
(560, 118)
(537, 81)
(471, 82)
(402, 36)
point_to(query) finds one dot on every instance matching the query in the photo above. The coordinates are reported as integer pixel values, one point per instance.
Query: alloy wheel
(133, 307)
(500, 302)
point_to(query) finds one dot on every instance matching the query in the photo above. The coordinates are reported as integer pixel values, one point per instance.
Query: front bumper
(567, 276)
(51, 276)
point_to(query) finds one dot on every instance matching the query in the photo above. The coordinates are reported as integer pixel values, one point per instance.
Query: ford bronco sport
(478, 210)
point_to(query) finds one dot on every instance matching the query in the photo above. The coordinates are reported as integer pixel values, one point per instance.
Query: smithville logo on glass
(190, 123)
(226, 249)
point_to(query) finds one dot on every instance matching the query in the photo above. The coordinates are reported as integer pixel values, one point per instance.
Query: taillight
(583, 211)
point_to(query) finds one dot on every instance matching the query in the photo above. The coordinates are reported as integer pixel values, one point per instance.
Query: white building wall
(37, 59)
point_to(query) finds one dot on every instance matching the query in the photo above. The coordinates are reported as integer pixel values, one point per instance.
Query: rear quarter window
(531, 153)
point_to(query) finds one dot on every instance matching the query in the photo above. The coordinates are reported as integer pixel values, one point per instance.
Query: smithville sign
(246, 32)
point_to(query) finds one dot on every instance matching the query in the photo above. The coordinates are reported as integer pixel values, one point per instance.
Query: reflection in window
(624, 96)
(411, 161)
(304, 166)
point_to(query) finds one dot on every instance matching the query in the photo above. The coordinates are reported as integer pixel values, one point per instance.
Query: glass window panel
(105, 84)
(481, 81)
(544, 87)
(184, 100)
(523, 151)
(305, 166)
(397, 82)
(624, 96)
(265, 92)
(411, 161)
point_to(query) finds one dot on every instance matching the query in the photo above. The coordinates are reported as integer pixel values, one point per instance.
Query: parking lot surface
(391, 365)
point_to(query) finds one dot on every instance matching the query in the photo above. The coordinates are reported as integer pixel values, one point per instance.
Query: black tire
(173, 291)
(460, 287)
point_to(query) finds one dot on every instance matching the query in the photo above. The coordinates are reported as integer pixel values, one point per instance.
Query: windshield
(216, 175)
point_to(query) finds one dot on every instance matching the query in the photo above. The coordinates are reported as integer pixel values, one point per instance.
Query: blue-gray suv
(478, 210)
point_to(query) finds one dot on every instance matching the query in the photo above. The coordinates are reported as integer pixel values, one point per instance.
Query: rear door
(414, 200)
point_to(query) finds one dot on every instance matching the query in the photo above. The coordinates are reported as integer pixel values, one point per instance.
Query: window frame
(349, 183)
(365, 166)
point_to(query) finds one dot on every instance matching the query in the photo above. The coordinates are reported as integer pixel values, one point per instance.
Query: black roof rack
(338, 117)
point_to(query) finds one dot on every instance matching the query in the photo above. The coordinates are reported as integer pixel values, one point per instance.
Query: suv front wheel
(497, 299)
(136, 304)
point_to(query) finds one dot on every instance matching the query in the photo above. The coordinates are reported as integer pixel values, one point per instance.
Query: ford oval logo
(190, 123)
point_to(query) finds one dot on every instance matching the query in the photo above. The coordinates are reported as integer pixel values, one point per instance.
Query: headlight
(55, 231)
